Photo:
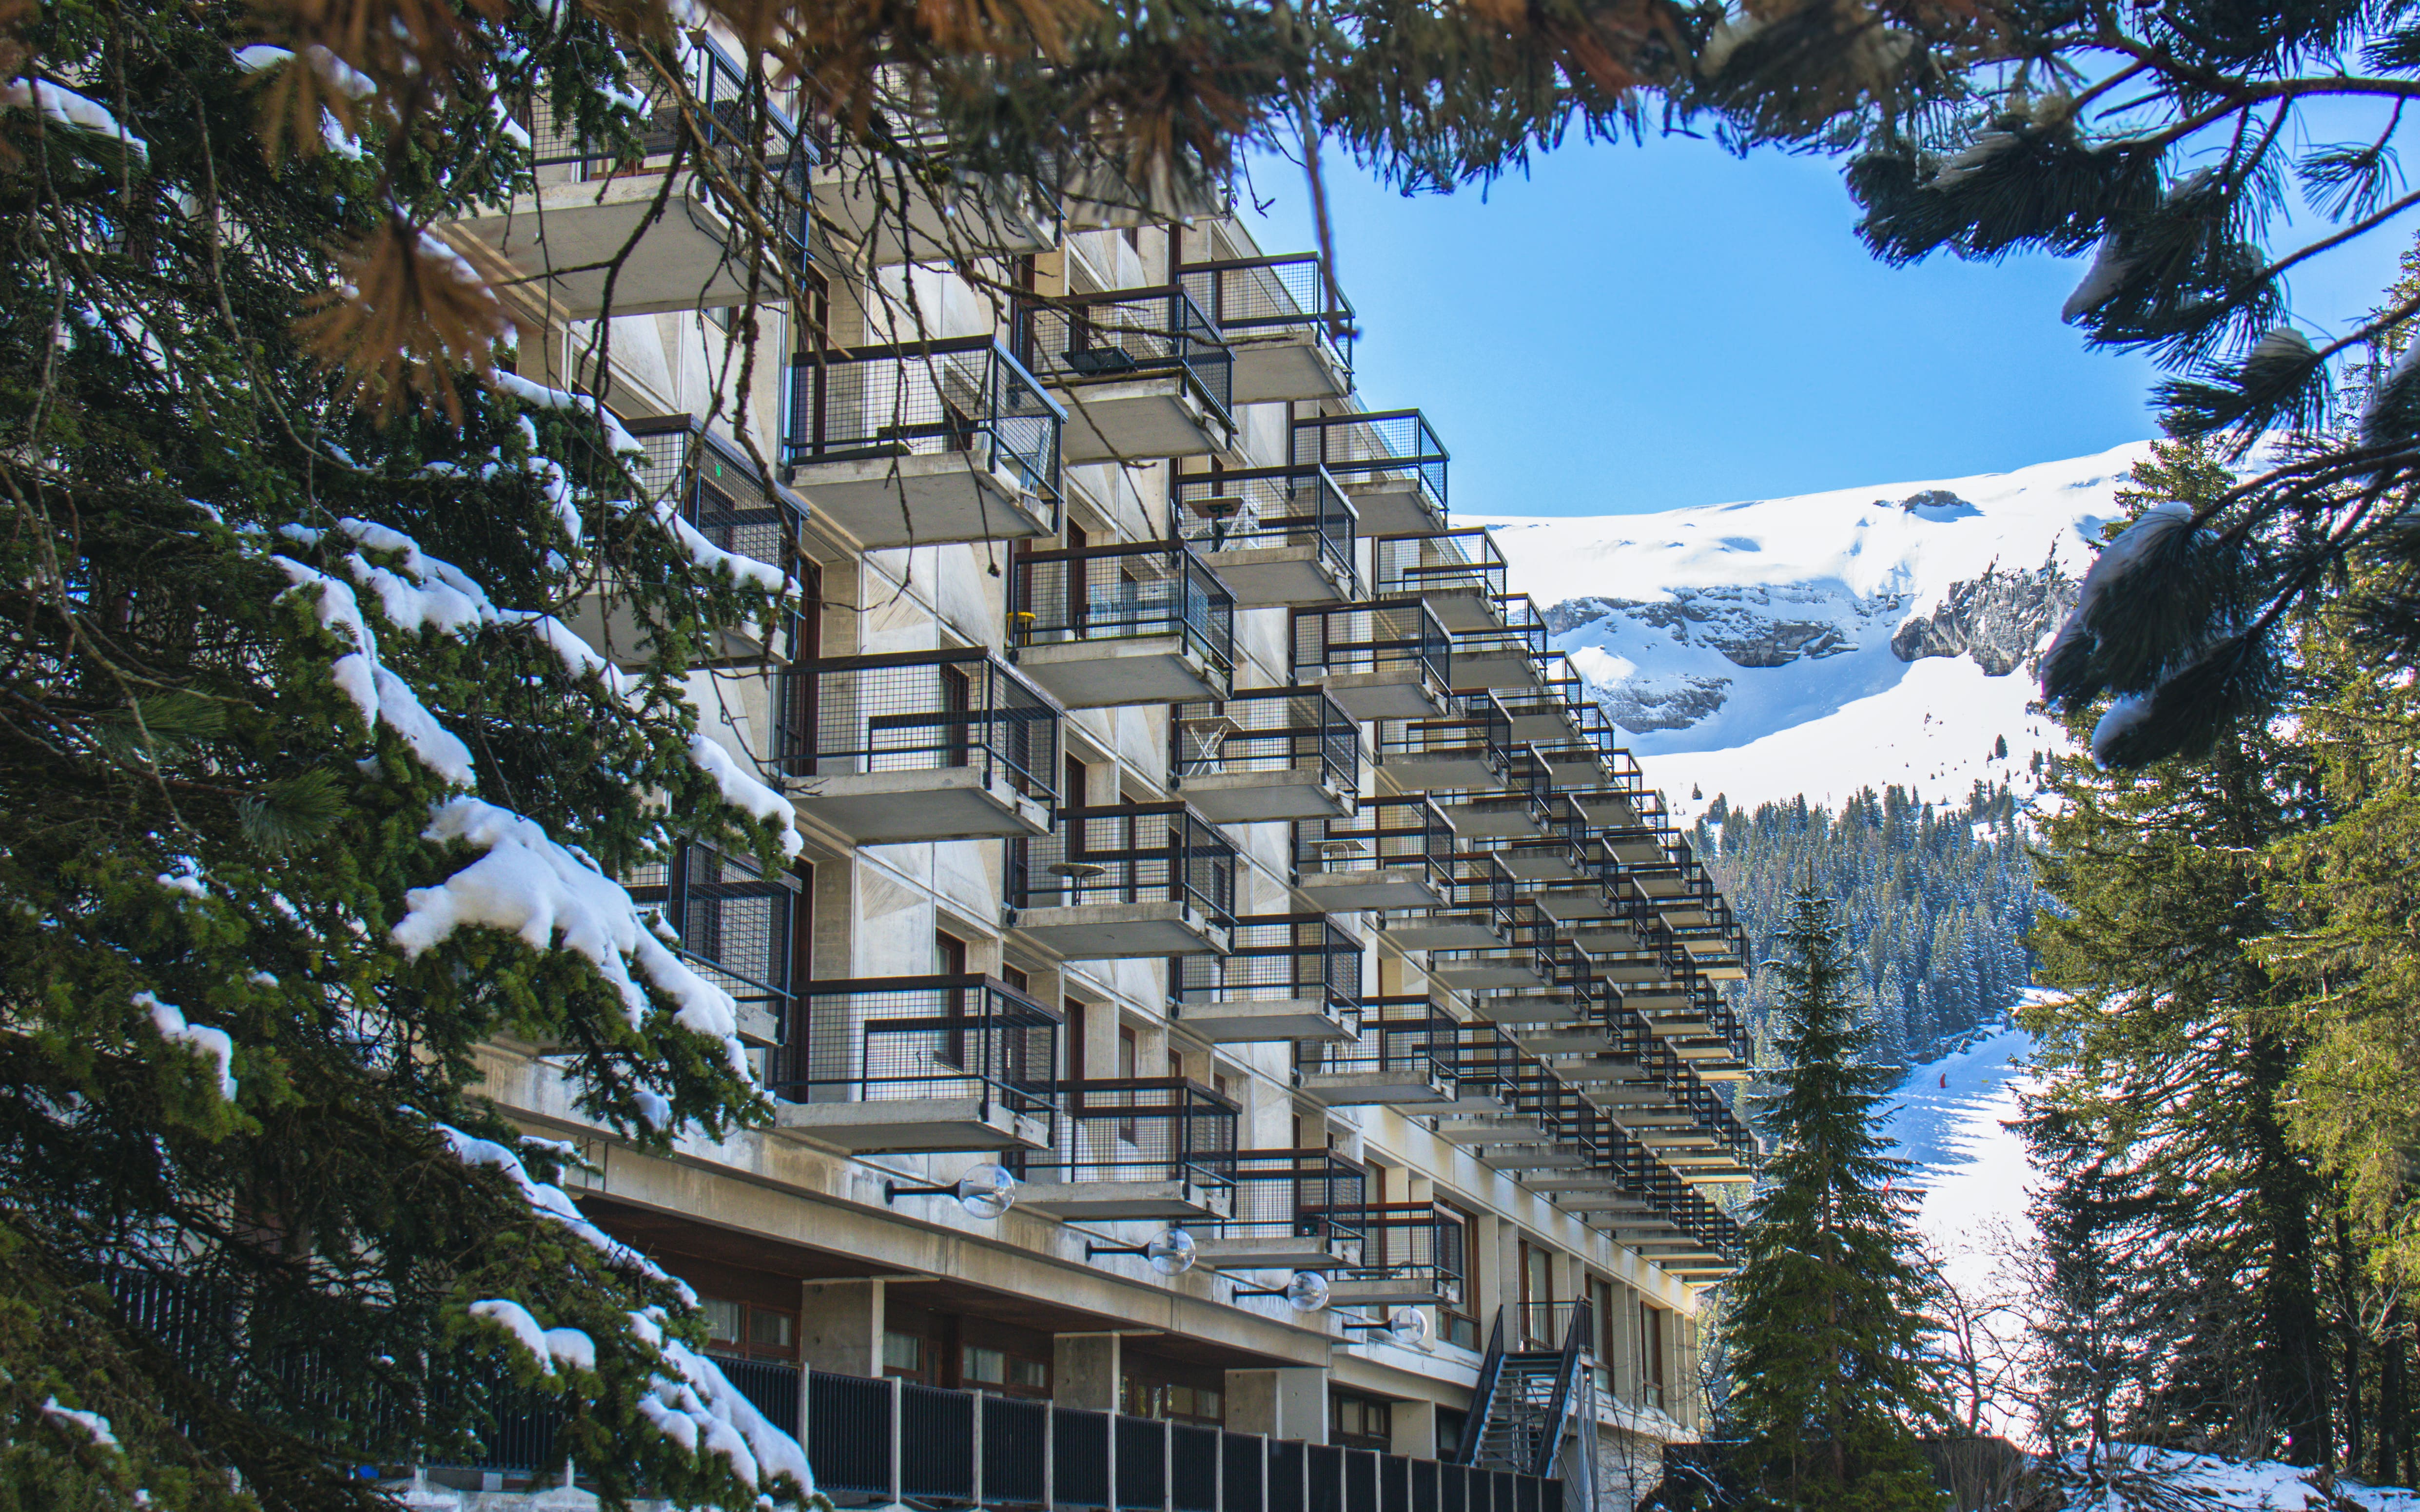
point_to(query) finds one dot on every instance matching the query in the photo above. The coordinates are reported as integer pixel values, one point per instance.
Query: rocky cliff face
(1999, 619)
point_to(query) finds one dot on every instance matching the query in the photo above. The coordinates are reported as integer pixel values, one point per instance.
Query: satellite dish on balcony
(1217, 506)
(1078, 870)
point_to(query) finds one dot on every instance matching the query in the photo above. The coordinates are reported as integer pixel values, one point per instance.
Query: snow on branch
(553, 1202)
(381, 695)
(72, 110)
(211, 1044)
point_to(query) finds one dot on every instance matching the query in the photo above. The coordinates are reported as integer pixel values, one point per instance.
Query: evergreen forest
(1933, 901)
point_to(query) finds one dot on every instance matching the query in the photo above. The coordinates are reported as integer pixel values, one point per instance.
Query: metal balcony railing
(758, 148)
(1295, 1193)
(965, 396)
(1266, 729)
(885, 1039)
(1127, 592)
(1126, 852)
(914, 710)
(1559, 854)
(1127, 333)
(1276, 957)
(1370, 638)
(1141, 1129)
(1409, 1035)
(1477, 890)
(1384, 834)
(1413, 1242)
(1530, 941)
(1474, 727)
(1386, 446)
(1254, 508)
(1462, 559)
(1253, 296)
(733, 919)
(1522, 633)
(718, 488)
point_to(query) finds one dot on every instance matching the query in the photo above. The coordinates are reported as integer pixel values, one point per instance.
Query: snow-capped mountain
(1830, 641)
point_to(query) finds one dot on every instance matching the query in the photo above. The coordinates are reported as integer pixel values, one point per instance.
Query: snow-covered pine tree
(1825, 1315)
(311, 791)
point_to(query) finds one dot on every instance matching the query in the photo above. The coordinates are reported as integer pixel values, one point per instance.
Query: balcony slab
(1396, 505)
(1409, 1292)
(1405, 692)
(1123, 932)
(1108, 1201)
(1538, 1158)
(1375, 1088)
(681, 260)
(1446, 933)
(605, 620)
(1258, 1252)
(1458, 605)
(865, 205)
(1275, 366)
(1108, 674)
(1282, 577)
(1466, 768)
(922, 499)
(1488, 975)
(1253, 1021)
(1389, 887)
(1558, 1184)
(945, 803)
(916, 1125)
(1492, 818)
(1137, 419)
(1530, 1008)
(1496, 668)
(1255, 798)
(1578, 1040)
(1486, 1132)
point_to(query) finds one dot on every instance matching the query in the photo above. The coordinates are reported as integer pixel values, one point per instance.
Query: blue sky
(1636, 328)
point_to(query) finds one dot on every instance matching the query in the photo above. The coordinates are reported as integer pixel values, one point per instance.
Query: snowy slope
(1825, 642)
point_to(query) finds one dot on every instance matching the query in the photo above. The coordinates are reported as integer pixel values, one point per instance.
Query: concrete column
(840, 1326)
(1284, 1404)
(1415, 1430)
(1085, 1371)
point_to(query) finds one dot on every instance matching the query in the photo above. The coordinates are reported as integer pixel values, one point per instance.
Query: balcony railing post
(898, 1414)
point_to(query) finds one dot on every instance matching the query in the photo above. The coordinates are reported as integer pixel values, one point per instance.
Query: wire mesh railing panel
(1440, 563)
(1407, 1035)
(1126, 853)
(1248, 294)
(964, 395)
(1080, 1457)
(1194, 1466)
(1131, 334)
(1265, 507)
(1295, 1193)
(733, 918)
(940, 1425)
(1383, 834)
(849, 1433)
(1475, 725)
(1395, 444)
(1139, 1129)
(886, 1038)
(1142, 1463)
(1370, 638)
(1127, 592)
(718, 488)
(1275, 958)
(1414, 1241)
(1244, 1466)
(1014, 1456)
(927, 711)
(1266, 729)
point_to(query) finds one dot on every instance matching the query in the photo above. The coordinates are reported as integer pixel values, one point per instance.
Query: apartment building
(1242, 1034)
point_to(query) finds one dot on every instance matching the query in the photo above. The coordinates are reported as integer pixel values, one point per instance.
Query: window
(1600, 1301)
(1016, 978)
(1127, 1045)
(748, 1328)
(1450, 1429)
(1362, 1423)
(905, 1355)
(1003, 1371)
(1458, 1322)
(1538, 1293)
(1181, 1393)
(1650, 1355)
(1176, 1063)
(950, 960)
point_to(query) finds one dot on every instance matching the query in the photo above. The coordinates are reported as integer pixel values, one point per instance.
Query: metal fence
(1125, 853)
(1139, 1129)
(1296, 1194)
(733, 919)
(1438, 562)
(965, 395)
(1260, 508)
(923, 710)
(1127, 592)
(1266, 729)
(888, 1038)
(1253, 296)
(1370, 638)
(1125, 334)
(1275, 958)
(1385, 445)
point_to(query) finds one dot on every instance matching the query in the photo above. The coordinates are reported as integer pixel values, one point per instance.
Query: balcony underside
(1680, 1026)
(1684, 913)
(911, 1125)
(1654, 997)
(1346, 893)
(903, 224)
(1280, 366)
(1389, 1292)
(1578, 1040)
(1488, 975)
(1253, 1021)
(1605, 808)
(1497, 818)
(1602, 938)
(1391, 506)
(1477, 1100)
(1536, 1006)
(1265, 1252)
(605, 621)
(1140, 418)
(1404, 692)
(1123, 932)
(1553, 864)
(1495, 669)
(1464, 767)
(1540, 724)
(1282, 576)
(1584, 901)
(1635, 852)
(1605, 1201)
(1107, 673)
(921, 499)
(1483, 1132)
(1560, 1182)
(1538, 1158)
(1377, 1089)
(1102, 1202)
(1725, 971)
(1633, 973)
(1254, 797)
(1460, 606)
(896, 808)
(681, 261)
(1443, 931)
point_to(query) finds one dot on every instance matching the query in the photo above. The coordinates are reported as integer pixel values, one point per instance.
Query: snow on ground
(2261, 1486)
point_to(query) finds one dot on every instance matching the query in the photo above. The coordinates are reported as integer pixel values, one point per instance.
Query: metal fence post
(1110, 1445)
(976, 1407)
(1167, 1465)
(898, 1394)
(1049, 1458)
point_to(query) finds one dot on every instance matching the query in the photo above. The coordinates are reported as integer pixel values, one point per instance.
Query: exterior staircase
(1523, 1399)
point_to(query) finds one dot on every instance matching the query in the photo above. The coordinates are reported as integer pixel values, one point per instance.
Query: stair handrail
(1483, 1395)
(1566, 1374)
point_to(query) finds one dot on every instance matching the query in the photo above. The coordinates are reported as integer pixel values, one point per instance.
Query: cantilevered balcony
(1392, 853)
(924, 745)
(596, 204)
(1467, 747)
(1588, 756)
(1153, 1147)
(732, 920)
(1621, 797)
(1549, 716)
(1475, 911)
(1288, 326)
(1143, 374)
(1378, 661)
(1284, 977)
(919, 205)
(1293, 1210)
(924, 442)
(1128, 881)
(1278, 537)
(1459, 573)
(1391, 463)
(1394, 1063)
(1266, 753)
(1559, 854)
(1551, 981)
(1506, 656)
(1515, 806)
(723, 494)
(1143, 621)
(1412, 1253)
(898, 1065)
(1522, 961)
